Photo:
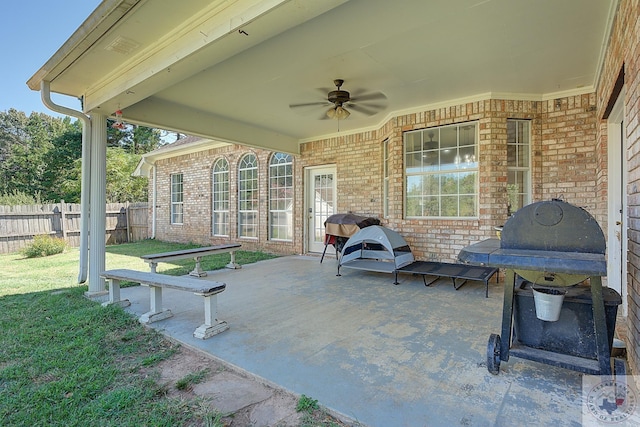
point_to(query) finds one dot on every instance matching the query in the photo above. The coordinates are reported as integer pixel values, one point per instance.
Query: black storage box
(573, 333)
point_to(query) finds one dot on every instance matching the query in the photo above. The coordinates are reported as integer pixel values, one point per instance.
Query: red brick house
(485, 106)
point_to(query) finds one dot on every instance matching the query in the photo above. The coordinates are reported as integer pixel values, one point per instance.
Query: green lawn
(67, 361)
(21, 275)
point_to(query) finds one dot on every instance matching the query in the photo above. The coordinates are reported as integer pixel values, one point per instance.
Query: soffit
(228, 70)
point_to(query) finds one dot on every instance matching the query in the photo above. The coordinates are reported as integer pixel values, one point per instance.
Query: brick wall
(564, 164)
(196, 227)
(623, 50)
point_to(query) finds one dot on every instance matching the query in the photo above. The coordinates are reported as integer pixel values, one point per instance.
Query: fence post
(63, 220)
(128, 219)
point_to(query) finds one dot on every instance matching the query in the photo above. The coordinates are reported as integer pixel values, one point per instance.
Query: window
(385, 178)
(441, 172)
(248, 196)
(281, 197)
(518, 164)
(177, 204)
(220, 198)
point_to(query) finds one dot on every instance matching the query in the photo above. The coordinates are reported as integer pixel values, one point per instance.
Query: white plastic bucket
(548, 303)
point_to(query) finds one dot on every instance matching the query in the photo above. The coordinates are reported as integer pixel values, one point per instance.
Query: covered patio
(379, 354)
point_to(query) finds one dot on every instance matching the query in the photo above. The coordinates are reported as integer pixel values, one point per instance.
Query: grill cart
(555, 308)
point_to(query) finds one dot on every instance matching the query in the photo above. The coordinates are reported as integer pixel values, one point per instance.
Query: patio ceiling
(229, 70)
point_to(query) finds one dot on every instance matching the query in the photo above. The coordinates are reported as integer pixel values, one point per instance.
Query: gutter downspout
(45, 94)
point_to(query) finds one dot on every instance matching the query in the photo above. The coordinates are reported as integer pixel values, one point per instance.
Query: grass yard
(21, 275)
(67, 361)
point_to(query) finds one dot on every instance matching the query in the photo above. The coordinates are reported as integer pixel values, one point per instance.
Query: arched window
(281, 197)
(220, 197)
(248, 196)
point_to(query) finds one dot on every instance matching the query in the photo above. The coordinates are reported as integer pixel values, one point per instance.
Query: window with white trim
(518, 164)
(441, 172)
(220, 197)
(281, 197)
(177, 202)
(248, 197)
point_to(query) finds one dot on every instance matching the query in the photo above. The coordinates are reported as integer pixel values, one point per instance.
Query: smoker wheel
(493, 354)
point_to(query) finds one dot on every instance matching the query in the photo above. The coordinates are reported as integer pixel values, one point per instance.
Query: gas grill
(558, 248)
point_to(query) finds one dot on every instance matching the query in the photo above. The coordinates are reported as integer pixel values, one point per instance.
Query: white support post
(212, 326)
(198, 271)
(114, 295)
(98, 212)
(232, 264)
(156, 312)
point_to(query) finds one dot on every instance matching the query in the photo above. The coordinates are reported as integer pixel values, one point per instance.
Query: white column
(98, 212)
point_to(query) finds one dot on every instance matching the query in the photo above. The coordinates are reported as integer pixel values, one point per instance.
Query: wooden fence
(126, 222)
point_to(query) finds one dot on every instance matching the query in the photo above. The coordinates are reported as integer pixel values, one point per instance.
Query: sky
(31, 32)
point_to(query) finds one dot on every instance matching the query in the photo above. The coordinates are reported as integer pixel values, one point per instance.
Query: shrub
(44, 245)
(16, 198)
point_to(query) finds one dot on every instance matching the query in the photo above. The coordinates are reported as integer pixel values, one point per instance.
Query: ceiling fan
(339, 99)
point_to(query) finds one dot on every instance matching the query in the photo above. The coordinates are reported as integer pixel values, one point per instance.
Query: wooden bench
(454, 271)
(156, 282)
(196, 254)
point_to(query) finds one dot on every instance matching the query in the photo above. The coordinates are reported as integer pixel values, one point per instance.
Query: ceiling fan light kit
(338, 113)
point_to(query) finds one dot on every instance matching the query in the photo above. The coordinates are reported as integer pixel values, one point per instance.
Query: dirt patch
(243, 400)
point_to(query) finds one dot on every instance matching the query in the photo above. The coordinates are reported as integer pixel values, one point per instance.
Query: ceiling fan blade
(363, 110)
(308, 104)
(368, 97)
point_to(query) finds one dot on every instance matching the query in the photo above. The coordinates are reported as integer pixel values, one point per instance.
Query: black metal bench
(454, 271)
(196, 254)
(156, 282)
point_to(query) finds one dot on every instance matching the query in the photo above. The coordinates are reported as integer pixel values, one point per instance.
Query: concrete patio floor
(381, 354)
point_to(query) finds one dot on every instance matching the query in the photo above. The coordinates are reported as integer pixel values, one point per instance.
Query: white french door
(320, 204)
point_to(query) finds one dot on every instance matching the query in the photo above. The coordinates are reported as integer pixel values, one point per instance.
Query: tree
(121, 186)
(133, 138)
(60, 171)
(25, 145)
(144, 140)
(41, 156)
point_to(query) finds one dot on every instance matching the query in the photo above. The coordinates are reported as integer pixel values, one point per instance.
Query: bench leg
(114, 295)
(153, 266)
(233, 264)
(211, 326)
(198, 271)
(155, 312)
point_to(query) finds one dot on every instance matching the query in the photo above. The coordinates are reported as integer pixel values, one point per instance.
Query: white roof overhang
(229, 70)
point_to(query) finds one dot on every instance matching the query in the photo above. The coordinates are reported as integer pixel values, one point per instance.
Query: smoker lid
(553, 226)
(550, 236)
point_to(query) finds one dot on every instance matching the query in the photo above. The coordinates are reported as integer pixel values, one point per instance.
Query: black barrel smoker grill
(557, 246)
